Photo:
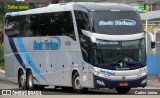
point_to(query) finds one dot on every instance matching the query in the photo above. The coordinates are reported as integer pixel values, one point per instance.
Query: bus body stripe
(15, 51)
(18, 57)
(28, 58)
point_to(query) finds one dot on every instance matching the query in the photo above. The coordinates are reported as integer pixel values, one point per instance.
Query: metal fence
(153, 63)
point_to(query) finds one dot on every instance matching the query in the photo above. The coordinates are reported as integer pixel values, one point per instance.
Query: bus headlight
(96, 71)
(142, 74)
(100, 74)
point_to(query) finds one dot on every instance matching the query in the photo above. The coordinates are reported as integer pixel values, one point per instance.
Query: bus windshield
(116, 22)
(117, 55)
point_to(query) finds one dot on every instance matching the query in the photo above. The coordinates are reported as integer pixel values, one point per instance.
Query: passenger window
(53, 24)
(82, 20)
(67, 27)
(46, 24)
(13, 27)
(27, 30)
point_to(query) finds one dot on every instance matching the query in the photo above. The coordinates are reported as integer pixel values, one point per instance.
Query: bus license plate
(123, 84)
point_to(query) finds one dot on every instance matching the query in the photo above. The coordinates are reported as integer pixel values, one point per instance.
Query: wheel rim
(22, 79)
(77, 83)
(30, 82)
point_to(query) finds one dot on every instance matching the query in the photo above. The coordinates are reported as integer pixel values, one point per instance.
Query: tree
(3, 10)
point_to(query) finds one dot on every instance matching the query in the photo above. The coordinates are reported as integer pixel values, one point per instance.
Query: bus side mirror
(153, 45)
(90, 35)
(152, 39)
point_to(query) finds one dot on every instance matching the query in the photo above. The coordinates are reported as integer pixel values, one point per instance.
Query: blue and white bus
(78, 45)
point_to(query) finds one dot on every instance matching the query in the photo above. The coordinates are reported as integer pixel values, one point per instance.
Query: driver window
(82, 21)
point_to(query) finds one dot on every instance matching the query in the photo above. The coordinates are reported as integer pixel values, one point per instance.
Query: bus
(79, 45)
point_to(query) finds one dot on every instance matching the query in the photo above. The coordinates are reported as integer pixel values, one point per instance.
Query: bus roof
(75, 6)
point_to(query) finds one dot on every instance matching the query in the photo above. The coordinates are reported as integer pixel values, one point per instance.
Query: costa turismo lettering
(121, 22)
(47, 44)
(108, 72)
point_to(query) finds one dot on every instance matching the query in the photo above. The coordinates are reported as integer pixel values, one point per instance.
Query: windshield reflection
(121, 54)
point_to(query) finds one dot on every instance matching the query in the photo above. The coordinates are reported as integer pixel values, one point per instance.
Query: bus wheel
(77, 84)
(30, 82)
(123, 90)
(22, 80)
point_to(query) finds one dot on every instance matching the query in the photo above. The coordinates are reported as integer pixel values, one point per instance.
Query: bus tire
(30, 82)
(22, 81)
(123, 90)
(77, 85)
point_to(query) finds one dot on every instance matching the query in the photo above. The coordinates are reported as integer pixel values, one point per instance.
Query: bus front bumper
(100, 82)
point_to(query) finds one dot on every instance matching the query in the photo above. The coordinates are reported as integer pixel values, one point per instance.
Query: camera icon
(6, 92)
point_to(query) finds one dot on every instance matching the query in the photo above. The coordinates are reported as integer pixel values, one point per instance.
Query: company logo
(107, 72)
(52, 44)
(121, 22)
(101, 23)
(123, 78)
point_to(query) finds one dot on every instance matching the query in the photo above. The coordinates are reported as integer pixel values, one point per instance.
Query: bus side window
(32, 24)
(13, 26)
(27, 30)
(52, 24)
(67, 27)
(35, 25)
(82, 21)
(56, 24)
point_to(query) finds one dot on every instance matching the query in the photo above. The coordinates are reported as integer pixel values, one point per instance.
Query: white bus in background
(79, 45)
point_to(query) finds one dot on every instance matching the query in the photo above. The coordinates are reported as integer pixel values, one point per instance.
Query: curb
(2, 71)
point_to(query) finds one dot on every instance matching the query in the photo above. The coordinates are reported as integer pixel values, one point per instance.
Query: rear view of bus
(116, 44)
